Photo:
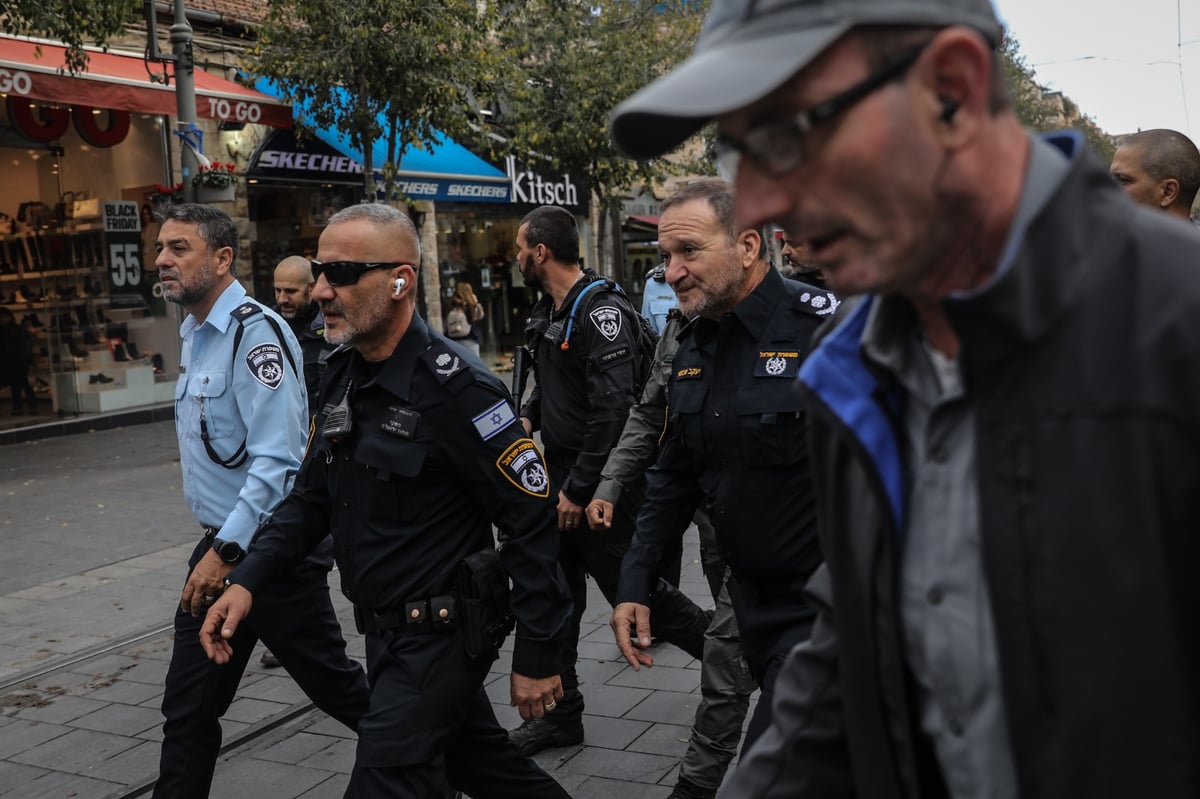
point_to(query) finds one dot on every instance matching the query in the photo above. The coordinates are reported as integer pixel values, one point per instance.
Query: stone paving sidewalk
(96, 541)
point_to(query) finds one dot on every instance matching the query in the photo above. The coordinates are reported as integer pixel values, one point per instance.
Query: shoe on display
(132, 350)
(156, 360)
(552, 729)
(685, 789)
(119, 352)
(90, 337)
(100, 377)
(75, 350)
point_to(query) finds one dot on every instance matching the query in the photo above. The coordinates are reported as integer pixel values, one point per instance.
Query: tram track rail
(144, 785)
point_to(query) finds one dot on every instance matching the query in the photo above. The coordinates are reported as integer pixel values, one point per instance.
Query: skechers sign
(281, 158)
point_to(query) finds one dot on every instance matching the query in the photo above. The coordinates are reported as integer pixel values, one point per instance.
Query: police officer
(293, 299)
(736, 436)
(658, 298)
(725, 680)
(416, 452)
(241, 418)
(588, 362)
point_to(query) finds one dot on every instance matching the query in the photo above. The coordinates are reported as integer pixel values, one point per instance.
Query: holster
(485, 615)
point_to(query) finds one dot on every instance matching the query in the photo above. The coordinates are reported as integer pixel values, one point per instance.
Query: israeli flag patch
(494, 419)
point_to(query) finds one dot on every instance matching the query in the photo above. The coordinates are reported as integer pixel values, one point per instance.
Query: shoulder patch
(523, 466)
(245, 311)
(265, 363)
(494, 419)
(822, 303)
(607, 319)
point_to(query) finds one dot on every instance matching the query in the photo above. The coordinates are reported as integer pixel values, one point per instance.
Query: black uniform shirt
(435, 454)
(309, 327)
(582, 396)
(736, 441)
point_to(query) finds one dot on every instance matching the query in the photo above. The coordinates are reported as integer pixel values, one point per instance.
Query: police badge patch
(523, 466)
(607, 320)
(265, 363)
(773, 363)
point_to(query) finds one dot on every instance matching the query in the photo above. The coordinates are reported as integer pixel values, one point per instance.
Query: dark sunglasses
(347, 273)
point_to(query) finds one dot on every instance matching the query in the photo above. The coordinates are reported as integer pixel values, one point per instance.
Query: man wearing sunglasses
(241, 417)
(416, 451)
(1005, 442)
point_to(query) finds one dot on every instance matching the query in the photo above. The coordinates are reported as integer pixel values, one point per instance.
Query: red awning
(652, 221)
(121, 82)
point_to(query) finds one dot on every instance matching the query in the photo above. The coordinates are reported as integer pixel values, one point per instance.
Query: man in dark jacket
(415, 453)
(585, 340)
(1005, 438)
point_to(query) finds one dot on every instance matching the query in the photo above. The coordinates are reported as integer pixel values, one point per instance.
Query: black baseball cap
(749, 48)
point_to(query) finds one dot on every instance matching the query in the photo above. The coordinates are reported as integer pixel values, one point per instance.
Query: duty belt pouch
(485, 615)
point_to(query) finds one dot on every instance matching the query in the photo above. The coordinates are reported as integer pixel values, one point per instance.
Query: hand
(600, 514)
(569, 514)
(526, 422)
(222, 622)
(531, 696)
(204, 583)
(627, 618)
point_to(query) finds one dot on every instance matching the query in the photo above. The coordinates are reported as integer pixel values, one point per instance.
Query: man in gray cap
(1004, 438)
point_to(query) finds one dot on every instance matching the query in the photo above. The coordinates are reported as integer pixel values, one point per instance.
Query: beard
(367, 320)
(529, 273)
(189, 291)
(715, 297)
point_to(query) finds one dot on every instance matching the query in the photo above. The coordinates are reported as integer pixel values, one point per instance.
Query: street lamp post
(185, 95)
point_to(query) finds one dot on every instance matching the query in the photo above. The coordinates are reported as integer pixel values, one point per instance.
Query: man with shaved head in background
(1159, 168)
(293, 299)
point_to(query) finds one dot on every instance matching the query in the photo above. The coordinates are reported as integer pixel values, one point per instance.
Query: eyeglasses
(347, 273)
(781, 147)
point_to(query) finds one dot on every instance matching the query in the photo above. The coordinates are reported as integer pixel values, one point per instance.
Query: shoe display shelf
(99, 383)
(56, 277)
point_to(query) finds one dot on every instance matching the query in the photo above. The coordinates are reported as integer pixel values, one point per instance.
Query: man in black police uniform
(587, 366)
(416, 451)
(293, 299)
(735, 438)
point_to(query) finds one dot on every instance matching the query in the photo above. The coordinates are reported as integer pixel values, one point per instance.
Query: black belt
(421, 617)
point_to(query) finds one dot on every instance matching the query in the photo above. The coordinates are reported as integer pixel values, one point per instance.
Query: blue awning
(448, 171)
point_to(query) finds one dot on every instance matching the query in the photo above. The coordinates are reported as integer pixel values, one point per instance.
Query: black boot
(685, 789)
(562, 726)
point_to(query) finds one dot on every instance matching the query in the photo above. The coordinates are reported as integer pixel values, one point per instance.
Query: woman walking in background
(465, 311)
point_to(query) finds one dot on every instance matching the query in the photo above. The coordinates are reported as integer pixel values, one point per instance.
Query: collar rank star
(607, 320)
(772, 363)
(265, 363)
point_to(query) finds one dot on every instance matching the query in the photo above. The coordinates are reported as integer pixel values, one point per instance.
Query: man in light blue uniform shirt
(241, 417)
(658, 298)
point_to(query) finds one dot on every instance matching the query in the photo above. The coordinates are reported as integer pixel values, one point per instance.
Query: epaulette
(658, 273)
(245, 311)
(444, 362)
(815, 301)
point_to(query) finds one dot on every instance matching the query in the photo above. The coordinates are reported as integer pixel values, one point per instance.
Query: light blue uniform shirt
(252, 395)
(657, 301)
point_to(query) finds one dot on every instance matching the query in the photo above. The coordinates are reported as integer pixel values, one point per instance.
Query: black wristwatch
(229, 551)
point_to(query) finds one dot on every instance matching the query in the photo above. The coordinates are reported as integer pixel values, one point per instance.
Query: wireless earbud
(949, 109)
(400, 284)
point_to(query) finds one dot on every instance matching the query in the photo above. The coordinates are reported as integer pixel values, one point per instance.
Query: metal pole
(185, 94)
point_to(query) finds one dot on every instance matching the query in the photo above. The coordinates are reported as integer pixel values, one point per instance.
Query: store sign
(533, 189)
(284, 158)
(15, 81)
(123, 239)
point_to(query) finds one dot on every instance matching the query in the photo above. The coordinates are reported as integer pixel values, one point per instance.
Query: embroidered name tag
(401, 422)
(689, 373)
(777, 364)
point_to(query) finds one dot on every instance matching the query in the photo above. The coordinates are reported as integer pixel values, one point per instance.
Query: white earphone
(400, 284)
